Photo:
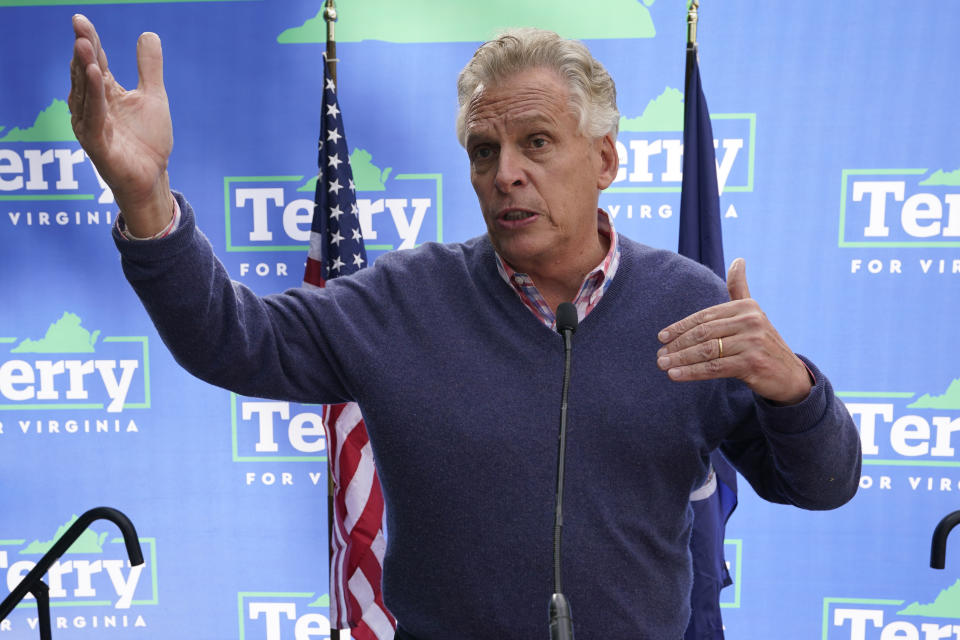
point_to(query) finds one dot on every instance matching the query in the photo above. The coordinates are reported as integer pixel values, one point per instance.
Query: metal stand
(33, 581)
(938, 546)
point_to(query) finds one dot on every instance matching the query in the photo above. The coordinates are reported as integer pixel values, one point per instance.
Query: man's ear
(609, 161)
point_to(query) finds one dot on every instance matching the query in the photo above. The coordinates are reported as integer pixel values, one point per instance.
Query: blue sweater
(460, 388)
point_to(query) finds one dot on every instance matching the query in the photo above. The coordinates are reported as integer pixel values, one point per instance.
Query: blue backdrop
(837, 151)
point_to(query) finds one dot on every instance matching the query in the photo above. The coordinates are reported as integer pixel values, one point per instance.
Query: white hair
(593, 95)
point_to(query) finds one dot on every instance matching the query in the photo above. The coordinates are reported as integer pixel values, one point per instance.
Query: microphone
(561, 619)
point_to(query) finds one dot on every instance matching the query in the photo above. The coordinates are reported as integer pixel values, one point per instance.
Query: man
(450, 353)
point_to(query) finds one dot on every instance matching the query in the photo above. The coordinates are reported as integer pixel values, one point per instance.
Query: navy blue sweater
(460, 388)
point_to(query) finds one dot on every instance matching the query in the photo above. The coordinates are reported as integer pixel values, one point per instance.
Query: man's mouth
(516, 214)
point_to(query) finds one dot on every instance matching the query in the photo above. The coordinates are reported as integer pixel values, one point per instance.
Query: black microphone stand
(561, 619)
(33, 581)
(938, 546)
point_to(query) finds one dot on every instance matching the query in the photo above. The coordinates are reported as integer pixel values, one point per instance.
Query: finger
(695, 321)
(705, 351)
(77, 81)
(82, 50)
(150, 63)
(82, 57)
(720, 328)
(94, 103)
(83, 28)
(711, 369)
(737, 280)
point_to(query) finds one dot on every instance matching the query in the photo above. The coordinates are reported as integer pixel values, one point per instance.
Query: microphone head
(566, 317)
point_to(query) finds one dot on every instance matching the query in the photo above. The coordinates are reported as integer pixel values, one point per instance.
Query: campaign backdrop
(837, 151)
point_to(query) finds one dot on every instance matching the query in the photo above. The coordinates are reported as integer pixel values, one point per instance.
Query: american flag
(356, 540)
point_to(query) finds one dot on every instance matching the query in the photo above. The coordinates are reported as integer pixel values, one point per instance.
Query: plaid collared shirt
(592, 289)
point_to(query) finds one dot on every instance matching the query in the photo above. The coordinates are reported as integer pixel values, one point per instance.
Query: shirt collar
(594, 284)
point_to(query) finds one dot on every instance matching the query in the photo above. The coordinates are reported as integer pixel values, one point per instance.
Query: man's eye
(482, 153)
(538, 143)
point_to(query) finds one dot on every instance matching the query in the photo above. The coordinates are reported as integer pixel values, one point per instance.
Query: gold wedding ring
(720, 346)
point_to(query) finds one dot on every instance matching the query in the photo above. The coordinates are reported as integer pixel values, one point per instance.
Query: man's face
(537, 178)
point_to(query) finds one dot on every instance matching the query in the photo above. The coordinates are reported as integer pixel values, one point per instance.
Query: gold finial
(330, 11)
(330, 15)
(692, 23)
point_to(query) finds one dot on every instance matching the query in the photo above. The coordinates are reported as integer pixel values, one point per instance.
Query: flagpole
(330, 16)
(701, 240)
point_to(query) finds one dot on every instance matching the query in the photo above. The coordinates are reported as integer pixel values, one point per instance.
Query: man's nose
(511, 170)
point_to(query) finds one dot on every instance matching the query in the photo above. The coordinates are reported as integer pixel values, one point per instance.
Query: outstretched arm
(127, 134)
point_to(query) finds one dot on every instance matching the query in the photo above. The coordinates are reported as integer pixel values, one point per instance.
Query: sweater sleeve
(807, 454)
(220, 331)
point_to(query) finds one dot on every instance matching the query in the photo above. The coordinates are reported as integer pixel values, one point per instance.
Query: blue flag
(701, 239)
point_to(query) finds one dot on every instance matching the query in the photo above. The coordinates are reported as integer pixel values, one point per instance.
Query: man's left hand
(734, 340)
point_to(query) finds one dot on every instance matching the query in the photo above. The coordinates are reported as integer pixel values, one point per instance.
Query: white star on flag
(335, 187)
(357, 260)
(330, 85)
(335, 212)
(332, 110)
(352, 186)
(353, 209)
(356, 235)
(336, 238)
(334, 161)
(333, 135)
(336, 264)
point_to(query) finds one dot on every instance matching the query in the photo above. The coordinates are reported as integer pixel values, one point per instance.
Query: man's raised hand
(127, 134)
(734, 340)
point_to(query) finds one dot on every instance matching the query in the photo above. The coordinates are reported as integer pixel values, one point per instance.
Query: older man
(450, 353)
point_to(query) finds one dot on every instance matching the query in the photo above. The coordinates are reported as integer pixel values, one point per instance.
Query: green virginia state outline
(88, 542)
(949, 399)
(946, 605)
(66, 335)
(366, 175)
(465, 21)
(663, 113)
(941, 178)
(52, 125)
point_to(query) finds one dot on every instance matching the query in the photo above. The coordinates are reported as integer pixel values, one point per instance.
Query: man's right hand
(127, 134)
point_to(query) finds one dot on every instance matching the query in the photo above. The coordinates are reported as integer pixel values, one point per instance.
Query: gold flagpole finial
(692, 23)
(330, 15)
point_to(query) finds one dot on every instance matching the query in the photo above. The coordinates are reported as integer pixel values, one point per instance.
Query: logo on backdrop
(282, 434)
(876, 619)
(887, 215)
(271, 615)
(650, 150)
(91, 586)
(391, 21)
(72, 370)
(46, 180)
(274, 214)
(909, 440)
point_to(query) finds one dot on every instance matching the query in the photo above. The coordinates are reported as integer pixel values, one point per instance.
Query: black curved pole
(938, 547)
(33, 581)
(41, 592)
